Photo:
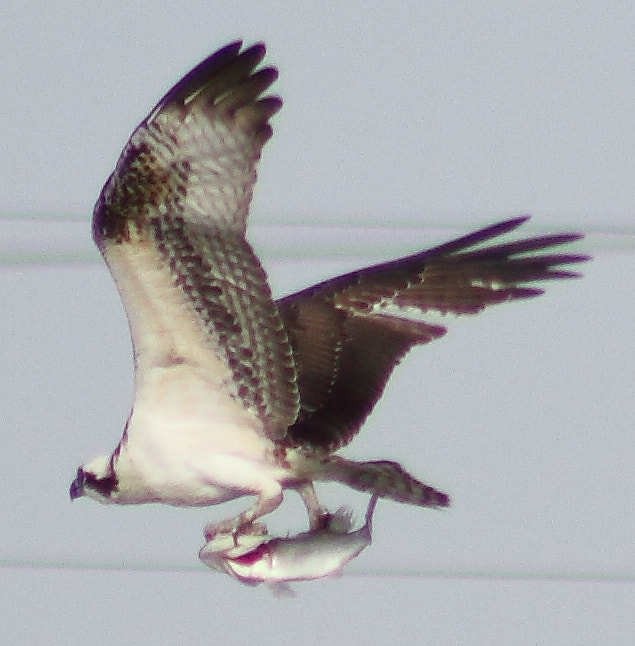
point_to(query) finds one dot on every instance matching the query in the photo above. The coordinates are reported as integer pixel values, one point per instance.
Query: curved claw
(321, 521)
(238, 526)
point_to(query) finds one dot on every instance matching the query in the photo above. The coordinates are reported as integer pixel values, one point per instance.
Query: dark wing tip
(522, 260)
(464, 243)
(478, 236)
(225, 88)
(228, 61)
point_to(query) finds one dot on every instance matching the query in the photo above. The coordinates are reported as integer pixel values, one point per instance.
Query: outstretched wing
(348, 333)
(170, 223)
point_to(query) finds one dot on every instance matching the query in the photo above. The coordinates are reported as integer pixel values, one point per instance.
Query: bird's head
(96, 480)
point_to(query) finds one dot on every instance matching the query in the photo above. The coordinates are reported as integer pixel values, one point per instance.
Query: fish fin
(281, 590)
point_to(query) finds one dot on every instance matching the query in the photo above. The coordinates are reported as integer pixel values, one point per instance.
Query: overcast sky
(407, 125)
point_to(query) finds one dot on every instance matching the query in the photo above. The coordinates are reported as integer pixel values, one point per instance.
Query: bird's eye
(105, 486)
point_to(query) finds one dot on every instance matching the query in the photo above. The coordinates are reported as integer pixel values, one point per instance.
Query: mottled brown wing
(343, 363)
(348, 333)
(171, 220)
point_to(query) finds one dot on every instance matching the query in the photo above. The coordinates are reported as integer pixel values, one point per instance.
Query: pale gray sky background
(407, 125)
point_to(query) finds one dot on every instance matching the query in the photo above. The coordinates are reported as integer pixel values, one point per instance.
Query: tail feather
(383, 478)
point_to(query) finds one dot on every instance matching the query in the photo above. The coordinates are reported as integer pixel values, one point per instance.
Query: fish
(256, 557)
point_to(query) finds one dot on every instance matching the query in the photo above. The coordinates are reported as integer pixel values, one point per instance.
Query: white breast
(189, 443)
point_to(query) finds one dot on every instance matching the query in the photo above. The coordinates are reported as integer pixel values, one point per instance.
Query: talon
(254, 529)
(320, 520)
(214, 529)
(238, 526)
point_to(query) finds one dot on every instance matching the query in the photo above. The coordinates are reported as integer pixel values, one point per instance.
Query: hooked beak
(77, 486)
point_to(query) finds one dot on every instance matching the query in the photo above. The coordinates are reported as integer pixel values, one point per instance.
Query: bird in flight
(236, 393)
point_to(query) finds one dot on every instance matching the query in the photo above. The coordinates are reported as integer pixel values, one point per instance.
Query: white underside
(190, 441)
(189, 444)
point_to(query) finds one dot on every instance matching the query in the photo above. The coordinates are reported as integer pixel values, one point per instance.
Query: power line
(54, 241)
(462, 575)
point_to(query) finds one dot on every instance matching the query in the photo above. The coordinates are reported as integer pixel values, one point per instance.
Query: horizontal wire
(299, 224)
(462, 575)
(310, 222)
(52, 241)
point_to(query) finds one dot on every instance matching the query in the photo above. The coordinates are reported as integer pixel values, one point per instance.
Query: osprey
(236, 393)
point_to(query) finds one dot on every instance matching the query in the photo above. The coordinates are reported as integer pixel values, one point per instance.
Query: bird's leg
(234, 527)
(318, 516)
(268, 499)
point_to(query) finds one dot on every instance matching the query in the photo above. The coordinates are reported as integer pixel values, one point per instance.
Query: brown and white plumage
(234, 393)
